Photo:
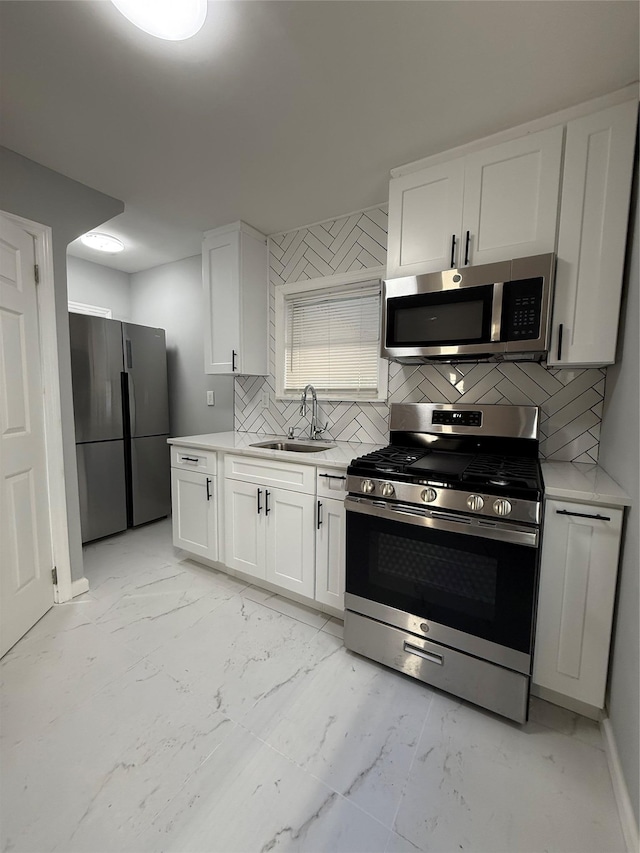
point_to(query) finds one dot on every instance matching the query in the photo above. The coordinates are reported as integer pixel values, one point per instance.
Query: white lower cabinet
(194, 506)
(579, 567)
(244, 536)
(330, 552)
(290, 540)
(269, 531)
(280, 522)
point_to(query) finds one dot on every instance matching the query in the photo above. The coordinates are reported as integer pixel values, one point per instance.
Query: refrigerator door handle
(129, 355)
(129, 404)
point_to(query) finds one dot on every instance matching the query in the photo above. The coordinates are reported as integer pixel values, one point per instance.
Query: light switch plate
(211, 398)
(265, 399)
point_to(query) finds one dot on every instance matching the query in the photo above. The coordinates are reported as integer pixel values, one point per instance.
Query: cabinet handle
(208, 492)
(234, 355)
(453, 249)
(319, 514)
(333, 476)
(466, 248)
(259, 504)
(414, 650)
(583, 515)
(189, 459)
(267, 509)
(560, 330)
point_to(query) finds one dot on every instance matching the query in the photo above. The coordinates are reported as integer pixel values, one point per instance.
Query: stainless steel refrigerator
(119, 373)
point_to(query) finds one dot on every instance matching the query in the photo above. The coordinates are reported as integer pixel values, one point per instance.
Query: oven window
(481, 586)
(438, 573)
(446, 317)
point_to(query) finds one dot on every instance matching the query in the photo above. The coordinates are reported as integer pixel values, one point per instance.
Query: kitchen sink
(294, 446)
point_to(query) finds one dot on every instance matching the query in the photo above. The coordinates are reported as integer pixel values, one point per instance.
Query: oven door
(463, 582)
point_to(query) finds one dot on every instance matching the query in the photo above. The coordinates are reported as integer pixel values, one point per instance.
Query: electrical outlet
(211, 398)
(265, 399)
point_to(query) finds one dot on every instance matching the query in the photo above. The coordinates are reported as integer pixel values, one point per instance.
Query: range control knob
(502, 506)
(475, 502)
(387, 490)
(429, 495)
(367, 486)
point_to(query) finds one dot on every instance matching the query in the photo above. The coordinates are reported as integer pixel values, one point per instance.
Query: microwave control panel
(521, 310)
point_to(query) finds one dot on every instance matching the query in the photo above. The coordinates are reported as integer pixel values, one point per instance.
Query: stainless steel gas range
(443, 533)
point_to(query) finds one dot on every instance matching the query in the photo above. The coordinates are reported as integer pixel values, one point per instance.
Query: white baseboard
(620, 790)
(79, 586)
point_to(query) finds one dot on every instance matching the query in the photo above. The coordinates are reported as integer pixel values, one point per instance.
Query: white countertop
(338, 454)
(575, 481)
(581, 482)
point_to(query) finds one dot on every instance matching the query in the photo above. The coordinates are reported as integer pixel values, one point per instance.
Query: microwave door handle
(496, 311)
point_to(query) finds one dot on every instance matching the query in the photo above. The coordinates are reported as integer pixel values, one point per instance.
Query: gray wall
(170, 297)
(620, 456)
(95, 284)
(34, 192)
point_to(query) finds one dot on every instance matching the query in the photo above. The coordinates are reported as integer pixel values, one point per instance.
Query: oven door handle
(466, 526)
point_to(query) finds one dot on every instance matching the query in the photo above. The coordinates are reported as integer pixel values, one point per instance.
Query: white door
(330, 552)
(26, 587)
(290, 541)
(425, 215)
(193, 502)
(244, 541)
(511, 195)
(221, 276)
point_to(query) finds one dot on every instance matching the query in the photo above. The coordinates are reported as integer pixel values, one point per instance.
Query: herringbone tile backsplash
(570, 400)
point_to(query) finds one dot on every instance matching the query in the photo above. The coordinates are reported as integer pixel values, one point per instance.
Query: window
(330, 338)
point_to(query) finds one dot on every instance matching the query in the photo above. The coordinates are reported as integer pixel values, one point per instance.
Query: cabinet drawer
(270, 472)
(193, 460)
(331, 483)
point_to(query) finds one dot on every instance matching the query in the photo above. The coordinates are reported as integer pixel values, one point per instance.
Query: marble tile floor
(174, 708)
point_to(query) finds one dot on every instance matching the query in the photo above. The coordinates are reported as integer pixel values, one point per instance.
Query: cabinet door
(330, 552)
(596, 188)
(244, 527)
(193, 500)
(425, 215)
(254, 306)
(511, 198)
(578, 573)
(290, 541)
(221, 282)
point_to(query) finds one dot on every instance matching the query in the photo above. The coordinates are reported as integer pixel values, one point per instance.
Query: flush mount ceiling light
(174, 20)
(102, 242)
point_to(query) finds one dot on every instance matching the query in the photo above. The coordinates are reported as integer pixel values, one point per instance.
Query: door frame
(65, 588)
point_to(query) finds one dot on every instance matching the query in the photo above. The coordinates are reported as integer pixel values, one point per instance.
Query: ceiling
(285, 113)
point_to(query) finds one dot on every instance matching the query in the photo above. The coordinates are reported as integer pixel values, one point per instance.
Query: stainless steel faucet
(315, 430)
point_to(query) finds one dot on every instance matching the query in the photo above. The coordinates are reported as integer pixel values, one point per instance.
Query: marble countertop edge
(583, 483)
(575, 481)
(337, 454)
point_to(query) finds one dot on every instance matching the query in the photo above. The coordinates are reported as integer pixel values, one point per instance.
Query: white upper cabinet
(592, 236)
(424, 219)
(236, 295)
(511, 199)
(497, 203)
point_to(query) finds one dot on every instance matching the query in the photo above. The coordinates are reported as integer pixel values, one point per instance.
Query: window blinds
(333, 342)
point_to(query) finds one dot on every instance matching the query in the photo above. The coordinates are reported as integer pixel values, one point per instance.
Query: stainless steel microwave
(493, 311)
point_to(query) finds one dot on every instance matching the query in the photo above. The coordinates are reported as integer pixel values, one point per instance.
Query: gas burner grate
(503, 471)
(390, 458)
